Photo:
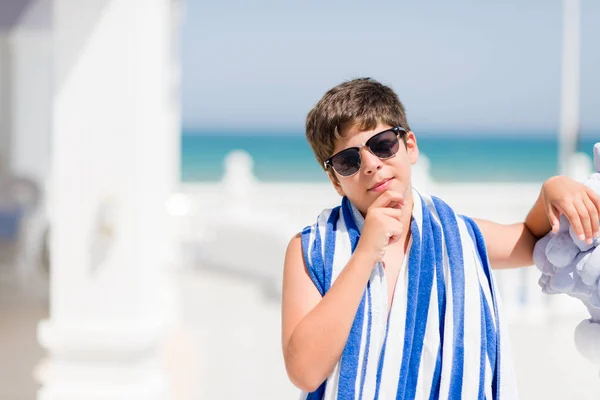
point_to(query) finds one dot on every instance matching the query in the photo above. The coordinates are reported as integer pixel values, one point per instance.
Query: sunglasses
(383, 145)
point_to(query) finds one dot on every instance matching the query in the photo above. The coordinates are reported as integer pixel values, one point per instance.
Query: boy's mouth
(381, 185)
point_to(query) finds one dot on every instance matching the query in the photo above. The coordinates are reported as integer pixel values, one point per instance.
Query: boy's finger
(395, 231)
(593, 212)
(396, 204)
(392, 212)
(574, 220)
(553, 217)
(595, 199)
(388, 198)
(584, 217)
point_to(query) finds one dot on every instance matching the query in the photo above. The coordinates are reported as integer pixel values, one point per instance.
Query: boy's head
(348, 116)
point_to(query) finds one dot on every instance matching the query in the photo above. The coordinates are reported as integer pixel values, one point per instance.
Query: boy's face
(375, 175)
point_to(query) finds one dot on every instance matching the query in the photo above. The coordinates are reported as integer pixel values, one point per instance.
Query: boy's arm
(508, 246)
(315, 329)
(511, 246)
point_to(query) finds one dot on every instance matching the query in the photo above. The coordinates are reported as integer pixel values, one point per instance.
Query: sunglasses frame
(398, 130)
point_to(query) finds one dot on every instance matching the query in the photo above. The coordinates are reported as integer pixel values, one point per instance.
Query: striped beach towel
(443, 337)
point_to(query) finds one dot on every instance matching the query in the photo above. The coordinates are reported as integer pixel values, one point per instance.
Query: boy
(391, 295)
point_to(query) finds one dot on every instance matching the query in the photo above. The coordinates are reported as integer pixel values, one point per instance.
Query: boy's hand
(580, 204)
(382, 225)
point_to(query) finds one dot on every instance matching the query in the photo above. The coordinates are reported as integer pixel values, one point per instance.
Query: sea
(287, 157)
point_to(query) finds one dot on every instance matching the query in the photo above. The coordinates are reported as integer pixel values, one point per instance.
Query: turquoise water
(289, 158)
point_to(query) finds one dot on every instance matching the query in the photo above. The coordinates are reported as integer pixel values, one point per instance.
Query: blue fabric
(425, 266)
(348, 370)
(493, 334)
(420, 275)
(369, 322)
(10, 221)
(455, 255)
(381, 358)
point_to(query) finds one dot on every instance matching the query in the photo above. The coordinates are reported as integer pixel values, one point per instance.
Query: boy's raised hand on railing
(579, 203)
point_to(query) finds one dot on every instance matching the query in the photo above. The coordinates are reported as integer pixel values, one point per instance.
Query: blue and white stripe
(444, 337)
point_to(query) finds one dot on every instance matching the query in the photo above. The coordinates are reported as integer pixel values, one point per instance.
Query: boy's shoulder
(322, 217)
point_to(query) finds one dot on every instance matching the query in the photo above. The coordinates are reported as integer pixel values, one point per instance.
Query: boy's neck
(406, 220)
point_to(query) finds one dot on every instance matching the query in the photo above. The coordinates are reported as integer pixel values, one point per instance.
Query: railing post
(238, 183)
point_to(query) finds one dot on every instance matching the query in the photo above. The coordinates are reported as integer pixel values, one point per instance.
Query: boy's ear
(335, 182)
(411, 147)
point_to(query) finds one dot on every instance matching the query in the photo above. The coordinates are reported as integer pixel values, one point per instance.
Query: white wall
(286, 209)
(4, 102)
(25, 92)
(31, 57)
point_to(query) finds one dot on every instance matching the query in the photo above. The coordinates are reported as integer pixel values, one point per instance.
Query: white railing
(241, 225)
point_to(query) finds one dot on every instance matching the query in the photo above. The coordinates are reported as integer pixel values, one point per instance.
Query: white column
(569, 118)
(114, 134)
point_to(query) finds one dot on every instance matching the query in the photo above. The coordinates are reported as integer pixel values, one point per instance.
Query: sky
(463, 66)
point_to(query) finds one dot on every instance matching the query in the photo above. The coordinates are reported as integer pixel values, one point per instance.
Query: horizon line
(432, 132)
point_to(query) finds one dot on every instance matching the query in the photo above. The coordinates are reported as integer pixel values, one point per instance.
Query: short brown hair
(363, 102)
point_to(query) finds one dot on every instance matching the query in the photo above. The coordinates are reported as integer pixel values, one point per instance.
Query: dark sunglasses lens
(385, 145)
(346, 162)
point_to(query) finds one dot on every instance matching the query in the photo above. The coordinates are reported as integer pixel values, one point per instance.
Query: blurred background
(153, 168)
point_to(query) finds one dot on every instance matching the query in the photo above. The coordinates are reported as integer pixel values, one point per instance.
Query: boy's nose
(370, 162)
